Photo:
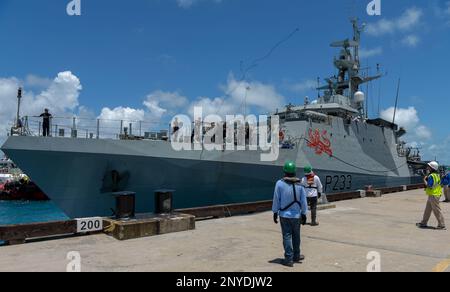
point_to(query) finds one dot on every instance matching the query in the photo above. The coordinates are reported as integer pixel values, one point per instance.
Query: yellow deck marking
(442, 266)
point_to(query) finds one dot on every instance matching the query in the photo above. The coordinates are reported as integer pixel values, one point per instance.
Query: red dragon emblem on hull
(319, 142)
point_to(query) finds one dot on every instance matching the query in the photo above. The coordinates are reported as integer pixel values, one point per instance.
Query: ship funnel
(359, 97)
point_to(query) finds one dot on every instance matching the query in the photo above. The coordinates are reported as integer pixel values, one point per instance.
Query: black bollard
(125, 205)
(164, 201)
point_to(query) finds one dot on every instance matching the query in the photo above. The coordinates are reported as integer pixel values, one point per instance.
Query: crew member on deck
(46, 116)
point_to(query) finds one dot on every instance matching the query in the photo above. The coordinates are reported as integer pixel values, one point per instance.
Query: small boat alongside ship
(16, 186)
(6, 166)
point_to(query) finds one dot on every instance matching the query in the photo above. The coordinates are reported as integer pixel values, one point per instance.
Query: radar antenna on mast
(346, 84)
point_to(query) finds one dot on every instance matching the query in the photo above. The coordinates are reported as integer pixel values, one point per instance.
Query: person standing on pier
(289, 204)
(434, 192)
(46, 116)
(314, 189)
(446, 183)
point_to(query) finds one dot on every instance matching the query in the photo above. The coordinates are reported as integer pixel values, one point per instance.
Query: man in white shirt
(314, 189)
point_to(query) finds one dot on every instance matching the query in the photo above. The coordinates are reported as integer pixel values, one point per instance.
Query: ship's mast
(356, 38)
(347, 83)
(19, 97)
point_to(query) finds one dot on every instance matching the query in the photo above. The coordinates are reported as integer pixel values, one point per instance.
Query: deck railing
(88, 128)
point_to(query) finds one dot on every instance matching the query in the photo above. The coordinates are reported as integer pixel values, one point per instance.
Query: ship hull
(82, 183)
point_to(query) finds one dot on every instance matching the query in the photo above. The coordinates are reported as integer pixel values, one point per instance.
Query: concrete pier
(342, 242)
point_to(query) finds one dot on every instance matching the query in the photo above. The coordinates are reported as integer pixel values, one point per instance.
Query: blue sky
(120, 54)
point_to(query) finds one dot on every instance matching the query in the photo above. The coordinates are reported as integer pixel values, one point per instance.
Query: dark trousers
(291, 238)
(312, 203)
(46, 130)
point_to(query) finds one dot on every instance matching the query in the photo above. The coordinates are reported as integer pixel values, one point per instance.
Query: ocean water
(21, 212)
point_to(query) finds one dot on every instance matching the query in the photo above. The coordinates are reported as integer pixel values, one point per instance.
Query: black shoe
(315, 224)
(300, 259)
(287, 263)
(441, 228)
(421, 225)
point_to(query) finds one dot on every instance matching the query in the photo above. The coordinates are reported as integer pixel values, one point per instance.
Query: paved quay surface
(253, 244)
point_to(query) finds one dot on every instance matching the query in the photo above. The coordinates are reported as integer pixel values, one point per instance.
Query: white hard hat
(434, 165)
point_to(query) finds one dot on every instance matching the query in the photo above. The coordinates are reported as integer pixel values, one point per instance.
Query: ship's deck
(253, 243)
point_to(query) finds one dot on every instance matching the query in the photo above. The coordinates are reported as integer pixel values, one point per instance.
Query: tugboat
(5, 171)
(16, 186)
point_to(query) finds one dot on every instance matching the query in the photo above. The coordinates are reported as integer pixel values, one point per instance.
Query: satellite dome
(359, 97)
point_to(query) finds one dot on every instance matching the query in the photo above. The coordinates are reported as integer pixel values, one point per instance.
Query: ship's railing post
(121, 127)
(50, 126)
(131, 129)
(74, 127)
(39, 129)
(140, 128)
(170, 132)
(98, 128)
(56, 130)
(26, 125)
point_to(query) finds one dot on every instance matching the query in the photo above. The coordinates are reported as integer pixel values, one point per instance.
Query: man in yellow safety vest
(434, 192)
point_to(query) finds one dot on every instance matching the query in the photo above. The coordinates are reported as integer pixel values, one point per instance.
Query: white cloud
(406, 22)
(189, 3)
(409, 119)
(423, 132)
(160, 102)
(411, 41)
(303, 86)
(405, 117)
(37, 81)
(8, 101)
(241, 97)
(381, 27)
(154, 108)
(61, 97)
(111, 120)
(214, 106)
(410, 18)
(367, 53)
(122, 113)
(419, 135)
(263, 97)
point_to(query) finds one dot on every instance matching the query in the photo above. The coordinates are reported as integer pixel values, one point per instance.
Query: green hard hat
(290, 167)
(308, 169)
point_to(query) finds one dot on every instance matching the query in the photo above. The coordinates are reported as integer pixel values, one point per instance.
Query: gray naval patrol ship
(347, 150)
